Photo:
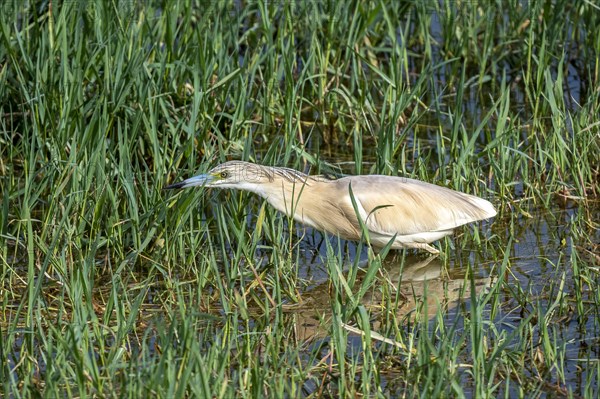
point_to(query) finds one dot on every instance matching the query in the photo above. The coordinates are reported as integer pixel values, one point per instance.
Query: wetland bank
(111, 287)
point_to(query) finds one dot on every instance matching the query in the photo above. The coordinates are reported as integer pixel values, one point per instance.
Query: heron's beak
(200, 180)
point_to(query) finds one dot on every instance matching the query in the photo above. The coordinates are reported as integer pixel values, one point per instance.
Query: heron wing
(401, 206)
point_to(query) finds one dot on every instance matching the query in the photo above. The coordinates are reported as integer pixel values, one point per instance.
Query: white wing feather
(402, 206)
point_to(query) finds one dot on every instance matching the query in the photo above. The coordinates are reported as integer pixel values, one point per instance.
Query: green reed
(112, 287)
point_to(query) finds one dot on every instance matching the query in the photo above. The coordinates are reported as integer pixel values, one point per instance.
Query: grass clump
(112, 287)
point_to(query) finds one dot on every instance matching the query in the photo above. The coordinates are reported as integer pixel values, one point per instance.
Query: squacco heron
(411, 212)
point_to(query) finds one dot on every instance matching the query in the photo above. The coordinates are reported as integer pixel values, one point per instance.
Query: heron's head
(233, 174)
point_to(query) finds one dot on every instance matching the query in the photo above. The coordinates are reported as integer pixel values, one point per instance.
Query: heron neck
(283, 194)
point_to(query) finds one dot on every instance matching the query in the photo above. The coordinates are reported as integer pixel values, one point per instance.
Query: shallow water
(538, 245)
(540, 256)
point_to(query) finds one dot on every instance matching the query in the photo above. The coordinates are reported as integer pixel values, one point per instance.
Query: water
(540, 254)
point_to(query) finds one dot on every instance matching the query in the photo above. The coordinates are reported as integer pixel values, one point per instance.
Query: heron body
(412, 212)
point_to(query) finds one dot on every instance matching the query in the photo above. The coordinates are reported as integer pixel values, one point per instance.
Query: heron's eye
(224, 175)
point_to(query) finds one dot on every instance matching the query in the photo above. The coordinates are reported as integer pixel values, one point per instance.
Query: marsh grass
(112, 287)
